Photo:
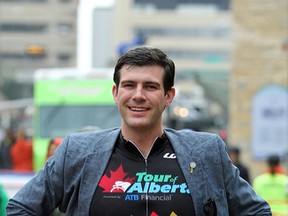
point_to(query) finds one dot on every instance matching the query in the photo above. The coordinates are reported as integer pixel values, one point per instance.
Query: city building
(36, 34)
(258, 98)
(195, 34)
(93, 33)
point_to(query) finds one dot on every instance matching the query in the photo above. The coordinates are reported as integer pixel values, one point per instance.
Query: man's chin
(138, 125)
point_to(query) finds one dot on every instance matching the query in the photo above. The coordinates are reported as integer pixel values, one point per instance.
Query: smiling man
(141, 99)
(140, 168)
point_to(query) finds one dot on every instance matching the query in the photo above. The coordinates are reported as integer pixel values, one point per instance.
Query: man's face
(140, 96)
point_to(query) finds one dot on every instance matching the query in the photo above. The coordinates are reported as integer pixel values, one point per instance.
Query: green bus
(67, 100)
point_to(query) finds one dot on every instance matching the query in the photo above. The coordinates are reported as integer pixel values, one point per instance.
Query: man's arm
(242, 199)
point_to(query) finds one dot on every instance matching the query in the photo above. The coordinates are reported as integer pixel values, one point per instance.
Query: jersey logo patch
(117, 182)
(169, 156)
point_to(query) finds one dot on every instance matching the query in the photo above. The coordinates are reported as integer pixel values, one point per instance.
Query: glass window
(216, 32)
(211, 56)
(11, 55)
(58, 121)
(64, 56)
(64, 28)
(173, 4)
(20, 56)
(23, 1)
(22, 27)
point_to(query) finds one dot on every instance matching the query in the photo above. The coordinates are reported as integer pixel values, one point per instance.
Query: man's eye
(128, 86)
(151, 87)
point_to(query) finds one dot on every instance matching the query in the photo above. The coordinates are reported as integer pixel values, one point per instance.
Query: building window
(209, 56)
(64, 57)
(22, 1)
(174, 4)
(20, 56)
(22, 27)
(203, 32)
(12, 55)
(64, 28)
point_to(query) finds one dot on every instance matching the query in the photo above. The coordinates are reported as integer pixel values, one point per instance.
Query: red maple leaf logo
(117, 183)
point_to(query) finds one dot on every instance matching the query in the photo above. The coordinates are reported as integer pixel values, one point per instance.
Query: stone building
(260, 59)
(36, 34)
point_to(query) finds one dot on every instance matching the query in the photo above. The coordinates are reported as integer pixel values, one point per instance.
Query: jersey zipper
(146, 170)
(146, 195)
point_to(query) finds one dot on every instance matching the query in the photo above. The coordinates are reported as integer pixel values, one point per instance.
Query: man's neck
(142, 138)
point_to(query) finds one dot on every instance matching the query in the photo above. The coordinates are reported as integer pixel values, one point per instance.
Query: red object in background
(53, 144)
(21, 154)
(223, 134)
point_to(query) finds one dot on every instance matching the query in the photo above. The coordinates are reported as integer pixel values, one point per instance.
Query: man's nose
(139, 93)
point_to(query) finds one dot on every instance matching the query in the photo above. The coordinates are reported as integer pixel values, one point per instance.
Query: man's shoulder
(95, 133)
(92, 139)
(189, 133)
(187, 138)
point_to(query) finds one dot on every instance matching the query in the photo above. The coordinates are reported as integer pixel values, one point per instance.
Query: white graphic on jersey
(169, 156)
(120, 185)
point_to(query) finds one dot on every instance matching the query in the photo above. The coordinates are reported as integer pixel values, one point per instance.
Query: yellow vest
(273, 189)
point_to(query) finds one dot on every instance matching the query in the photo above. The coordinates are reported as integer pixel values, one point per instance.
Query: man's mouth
(138, 109)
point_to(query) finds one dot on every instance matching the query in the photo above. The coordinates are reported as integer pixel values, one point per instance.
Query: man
(234, 154)
(273, 186)
(140, 168)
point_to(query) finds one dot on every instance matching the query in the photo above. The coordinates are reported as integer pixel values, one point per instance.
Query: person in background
(140, 168)
(234, 153)
(52, 146)
(55, 142)
(3, 200)
(5, 146)
(21, 152)
(273, 186)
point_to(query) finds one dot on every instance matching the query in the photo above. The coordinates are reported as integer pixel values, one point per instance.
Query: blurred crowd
(15, 154)
(271, 185)
(16, 150)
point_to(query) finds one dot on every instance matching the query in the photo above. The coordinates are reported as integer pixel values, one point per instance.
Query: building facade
(47, 33)
(260, 60)
(36, 33)
(194, 35)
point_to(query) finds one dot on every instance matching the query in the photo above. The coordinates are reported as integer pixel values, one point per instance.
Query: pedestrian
(5, 146)
(140, 168)
(22, 152)
(52, 146)
(273, 186)
(235, 153)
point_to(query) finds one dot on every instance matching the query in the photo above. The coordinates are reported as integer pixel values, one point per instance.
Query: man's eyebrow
(145, 82)
(152, 82)
(127, 81)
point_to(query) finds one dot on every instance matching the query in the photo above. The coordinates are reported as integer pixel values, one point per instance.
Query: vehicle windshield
(59, 121)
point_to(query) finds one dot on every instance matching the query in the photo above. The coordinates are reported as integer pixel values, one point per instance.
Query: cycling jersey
(134, 185)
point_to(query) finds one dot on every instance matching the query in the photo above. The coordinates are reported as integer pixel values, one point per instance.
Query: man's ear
(170, 96)
(115, 93)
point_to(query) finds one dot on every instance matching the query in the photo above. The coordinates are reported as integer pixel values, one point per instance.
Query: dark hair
(235, 150)
(146, 56)
(273, 161)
